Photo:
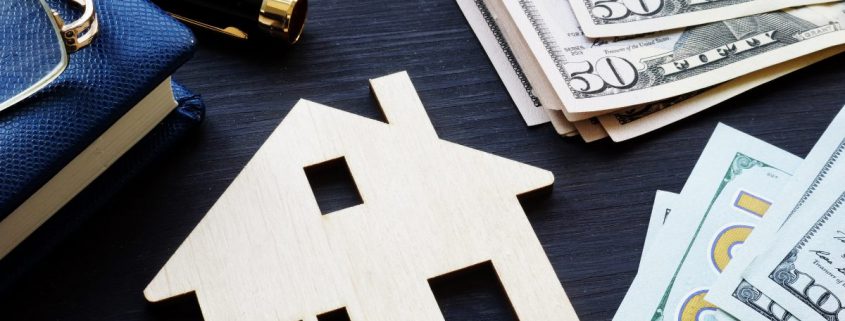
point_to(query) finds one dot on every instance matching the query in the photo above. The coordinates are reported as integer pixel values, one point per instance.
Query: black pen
(243, 19)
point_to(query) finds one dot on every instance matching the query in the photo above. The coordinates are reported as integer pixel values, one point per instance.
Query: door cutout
(336, 315)
(472, 293)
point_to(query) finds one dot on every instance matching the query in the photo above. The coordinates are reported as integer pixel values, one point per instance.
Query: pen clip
(229, 31)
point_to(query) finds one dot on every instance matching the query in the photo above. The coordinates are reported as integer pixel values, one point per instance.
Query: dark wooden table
(592, 226)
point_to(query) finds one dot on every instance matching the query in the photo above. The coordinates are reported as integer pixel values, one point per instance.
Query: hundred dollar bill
(804, 268)
(663, 203)
(631, 122)
(732, 292)
(594, 74)
(609, 18)
(729, 191)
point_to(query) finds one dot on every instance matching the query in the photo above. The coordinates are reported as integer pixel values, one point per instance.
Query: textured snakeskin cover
(137, 47)
(29, 54)
(149, 150)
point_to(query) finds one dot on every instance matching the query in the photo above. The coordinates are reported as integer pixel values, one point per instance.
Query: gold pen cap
(284, 18)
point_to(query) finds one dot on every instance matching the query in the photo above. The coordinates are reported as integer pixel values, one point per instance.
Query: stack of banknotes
(623, 68)
(756, 234)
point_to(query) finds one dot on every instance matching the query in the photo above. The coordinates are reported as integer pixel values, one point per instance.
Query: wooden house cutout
(430, 207)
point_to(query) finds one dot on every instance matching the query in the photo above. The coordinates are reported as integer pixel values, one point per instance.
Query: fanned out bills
(799, 260)
(491, 38)
(727, 194)
(626, 86)
(756, 234)
(591, 75)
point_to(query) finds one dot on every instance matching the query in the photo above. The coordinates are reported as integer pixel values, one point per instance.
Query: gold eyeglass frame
(80, 32)
(74, 36)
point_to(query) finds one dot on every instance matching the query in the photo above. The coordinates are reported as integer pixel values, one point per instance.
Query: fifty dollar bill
(490, 35)
(531, 91)
(634, 121)
(593, 74)
(608, 18)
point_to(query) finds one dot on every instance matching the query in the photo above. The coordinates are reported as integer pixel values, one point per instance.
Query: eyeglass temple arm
(80, 32)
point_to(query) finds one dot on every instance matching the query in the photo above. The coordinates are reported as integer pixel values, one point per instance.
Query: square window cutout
(333, 185)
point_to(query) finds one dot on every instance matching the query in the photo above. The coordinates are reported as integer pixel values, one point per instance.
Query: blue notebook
(136, 50)
(153, 148)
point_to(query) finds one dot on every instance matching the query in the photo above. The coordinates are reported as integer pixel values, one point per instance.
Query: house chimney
(400, 103)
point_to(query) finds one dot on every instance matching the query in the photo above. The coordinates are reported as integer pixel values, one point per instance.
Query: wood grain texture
(592, 226)
(430, 208)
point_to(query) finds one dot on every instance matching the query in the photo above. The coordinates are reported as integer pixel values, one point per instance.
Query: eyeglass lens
(30, 56)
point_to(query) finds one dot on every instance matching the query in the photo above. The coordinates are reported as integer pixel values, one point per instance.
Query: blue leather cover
(138, 46)
(149, 150)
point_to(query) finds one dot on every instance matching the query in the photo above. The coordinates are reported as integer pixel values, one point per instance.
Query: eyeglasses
(35, 45)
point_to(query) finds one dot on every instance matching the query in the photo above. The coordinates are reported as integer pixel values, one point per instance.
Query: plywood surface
(429, 208)
(592, 225)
